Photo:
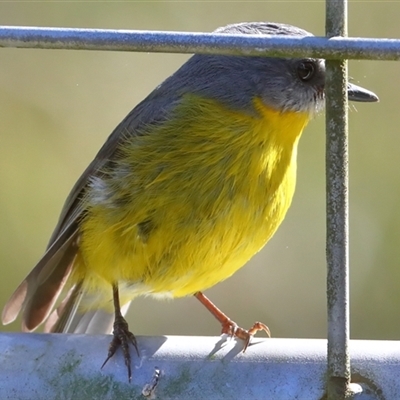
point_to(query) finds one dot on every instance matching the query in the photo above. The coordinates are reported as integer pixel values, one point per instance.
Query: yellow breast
(192, 200)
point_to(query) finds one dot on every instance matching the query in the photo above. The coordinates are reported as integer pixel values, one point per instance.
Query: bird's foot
(230, 328)
(123, 337)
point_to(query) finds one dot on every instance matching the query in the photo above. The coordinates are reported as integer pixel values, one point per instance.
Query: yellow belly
(191, 202)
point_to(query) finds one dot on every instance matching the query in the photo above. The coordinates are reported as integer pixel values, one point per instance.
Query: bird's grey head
(283, 84)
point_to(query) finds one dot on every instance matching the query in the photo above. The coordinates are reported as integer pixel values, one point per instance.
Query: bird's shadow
(238, 347)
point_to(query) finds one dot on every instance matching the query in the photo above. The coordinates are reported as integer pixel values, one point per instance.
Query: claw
(122, 338)
(230, 327)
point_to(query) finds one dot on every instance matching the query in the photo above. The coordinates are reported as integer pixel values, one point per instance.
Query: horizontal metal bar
(41, 366)
(205, 43)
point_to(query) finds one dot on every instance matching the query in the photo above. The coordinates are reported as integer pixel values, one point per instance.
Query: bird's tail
(69, 318)
(36, 296)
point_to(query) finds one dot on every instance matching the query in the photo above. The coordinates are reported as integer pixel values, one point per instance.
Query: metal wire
(338, 383)
(205, 43)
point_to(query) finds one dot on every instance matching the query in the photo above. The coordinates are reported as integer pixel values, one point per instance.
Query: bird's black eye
(306, 70)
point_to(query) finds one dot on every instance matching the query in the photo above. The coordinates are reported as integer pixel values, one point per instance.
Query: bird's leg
(122, 336)
(230, 327)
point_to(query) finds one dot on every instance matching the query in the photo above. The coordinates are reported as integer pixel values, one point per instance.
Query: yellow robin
(188, 187)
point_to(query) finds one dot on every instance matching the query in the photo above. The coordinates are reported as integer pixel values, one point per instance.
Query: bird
(188, 187)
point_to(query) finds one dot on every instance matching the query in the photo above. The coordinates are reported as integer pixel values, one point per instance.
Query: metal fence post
(337, 250)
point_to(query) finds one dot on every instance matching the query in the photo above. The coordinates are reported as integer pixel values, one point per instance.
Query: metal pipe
(56, 366)
(206, 43)
(337, 251)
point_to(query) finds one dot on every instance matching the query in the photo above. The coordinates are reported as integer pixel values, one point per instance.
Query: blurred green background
(58, 107)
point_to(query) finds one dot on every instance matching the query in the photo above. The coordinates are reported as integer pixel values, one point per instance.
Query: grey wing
(36, 295)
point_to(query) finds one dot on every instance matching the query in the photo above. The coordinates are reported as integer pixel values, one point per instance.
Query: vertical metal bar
(338, 385)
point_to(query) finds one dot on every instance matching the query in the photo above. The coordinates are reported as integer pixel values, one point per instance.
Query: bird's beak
(357, 93)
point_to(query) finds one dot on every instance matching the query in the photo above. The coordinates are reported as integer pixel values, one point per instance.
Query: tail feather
(36, 295)
(68, 318)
